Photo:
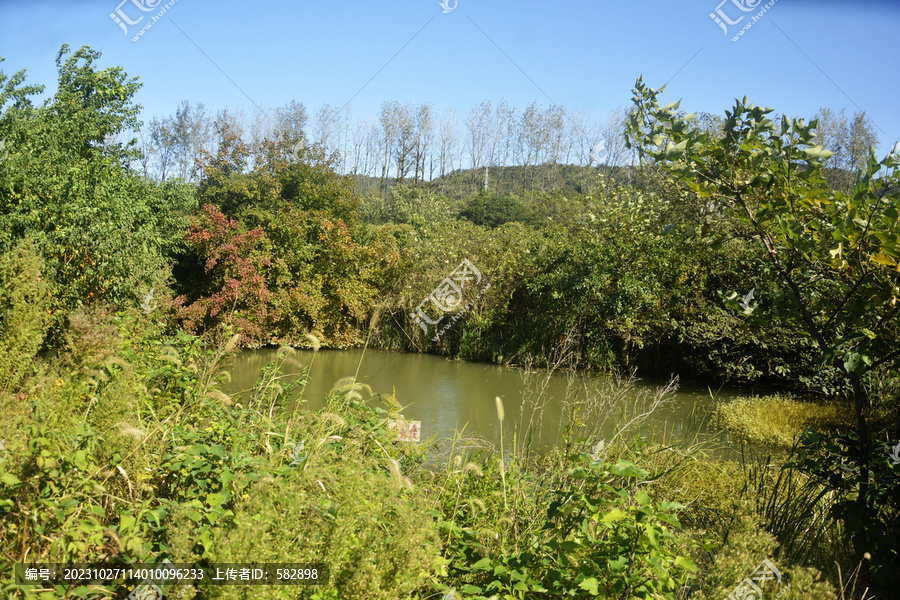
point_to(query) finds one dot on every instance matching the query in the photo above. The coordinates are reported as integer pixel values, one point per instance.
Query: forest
(746, 249)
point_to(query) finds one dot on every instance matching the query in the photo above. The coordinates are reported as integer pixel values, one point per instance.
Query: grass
(208, 478)
(778, 419)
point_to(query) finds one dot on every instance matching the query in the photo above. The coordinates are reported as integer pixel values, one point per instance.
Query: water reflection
(447, 395)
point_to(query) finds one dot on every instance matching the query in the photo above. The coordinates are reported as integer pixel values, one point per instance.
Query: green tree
(834, 256)
(67, 184)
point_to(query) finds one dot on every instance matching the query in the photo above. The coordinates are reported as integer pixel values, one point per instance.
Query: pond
(447, 396)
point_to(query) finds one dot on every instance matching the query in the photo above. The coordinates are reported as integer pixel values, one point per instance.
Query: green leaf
(687, 564)
(10, 479)
(613, 516)
(623, 468)
(215, 499)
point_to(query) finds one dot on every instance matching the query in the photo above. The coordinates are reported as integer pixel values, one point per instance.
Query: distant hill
(516, 181)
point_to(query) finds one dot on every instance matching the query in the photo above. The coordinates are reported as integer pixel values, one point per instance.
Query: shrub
(24, 299)
(748, 546)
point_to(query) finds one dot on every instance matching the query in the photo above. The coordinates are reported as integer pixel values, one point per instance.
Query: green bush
(24, 300)
(748, 546)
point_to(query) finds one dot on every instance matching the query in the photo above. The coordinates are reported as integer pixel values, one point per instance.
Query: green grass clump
(777, 420)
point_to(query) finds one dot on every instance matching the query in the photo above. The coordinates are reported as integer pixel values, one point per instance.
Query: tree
(848, 140)
(191, 132)
(834, 256)
(65, 186)
(162, 145)
(424, 135)
(290, 123)
(447, 141)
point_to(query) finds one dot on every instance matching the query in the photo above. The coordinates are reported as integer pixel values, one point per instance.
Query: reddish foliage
(234, 287)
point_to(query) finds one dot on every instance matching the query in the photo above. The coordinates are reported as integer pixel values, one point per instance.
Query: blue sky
(801, 55)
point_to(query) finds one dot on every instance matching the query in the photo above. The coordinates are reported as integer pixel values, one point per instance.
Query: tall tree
(424, 136)
(835, 258)
(448, 138)
(192, 130)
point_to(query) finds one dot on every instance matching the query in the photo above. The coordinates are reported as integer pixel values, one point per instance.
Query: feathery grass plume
(314, 341)
(476, 503)
(284, 351)
(330, 438)
(376, 316)
(334, 418)
(474, 468)
(115, 360)
(500, 413)
(171, 358)
(131, 431)
(395, 471)
(219, 395)
(345, 384)
(232, 343)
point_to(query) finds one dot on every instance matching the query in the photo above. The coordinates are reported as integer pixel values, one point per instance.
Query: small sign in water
(408, 430)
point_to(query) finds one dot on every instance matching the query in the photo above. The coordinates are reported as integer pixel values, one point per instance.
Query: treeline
(271, 238)
(411, 144)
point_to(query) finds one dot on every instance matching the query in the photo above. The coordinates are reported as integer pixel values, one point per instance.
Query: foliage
(234, 285)
(836, 461)
(23, 312)
(281, 250)
(834, 257)
(491, 210)
(417, 206)
(65, 184)
(598, 539)
(779, 419)
(748, 547)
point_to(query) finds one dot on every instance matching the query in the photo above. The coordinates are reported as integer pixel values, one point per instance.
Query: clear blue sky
(801, 55)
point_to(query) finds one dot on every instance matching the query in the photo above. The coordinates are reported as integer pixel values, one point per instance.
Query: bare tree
(862, 136)
(162, 142)
(327, 128)
(478, 126)
(290, 122)
(555, 124)
(832, 132)
(447, 141)
(192, 132)
(424, 136)
(849, 140)
(614, 138)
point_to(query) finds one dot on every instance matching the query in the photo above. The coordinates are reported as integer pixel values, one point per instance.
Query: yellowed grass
(778, 419)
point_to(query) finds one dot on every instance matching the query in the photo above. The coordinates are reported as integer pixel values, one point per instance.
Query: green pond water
(448, 396)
